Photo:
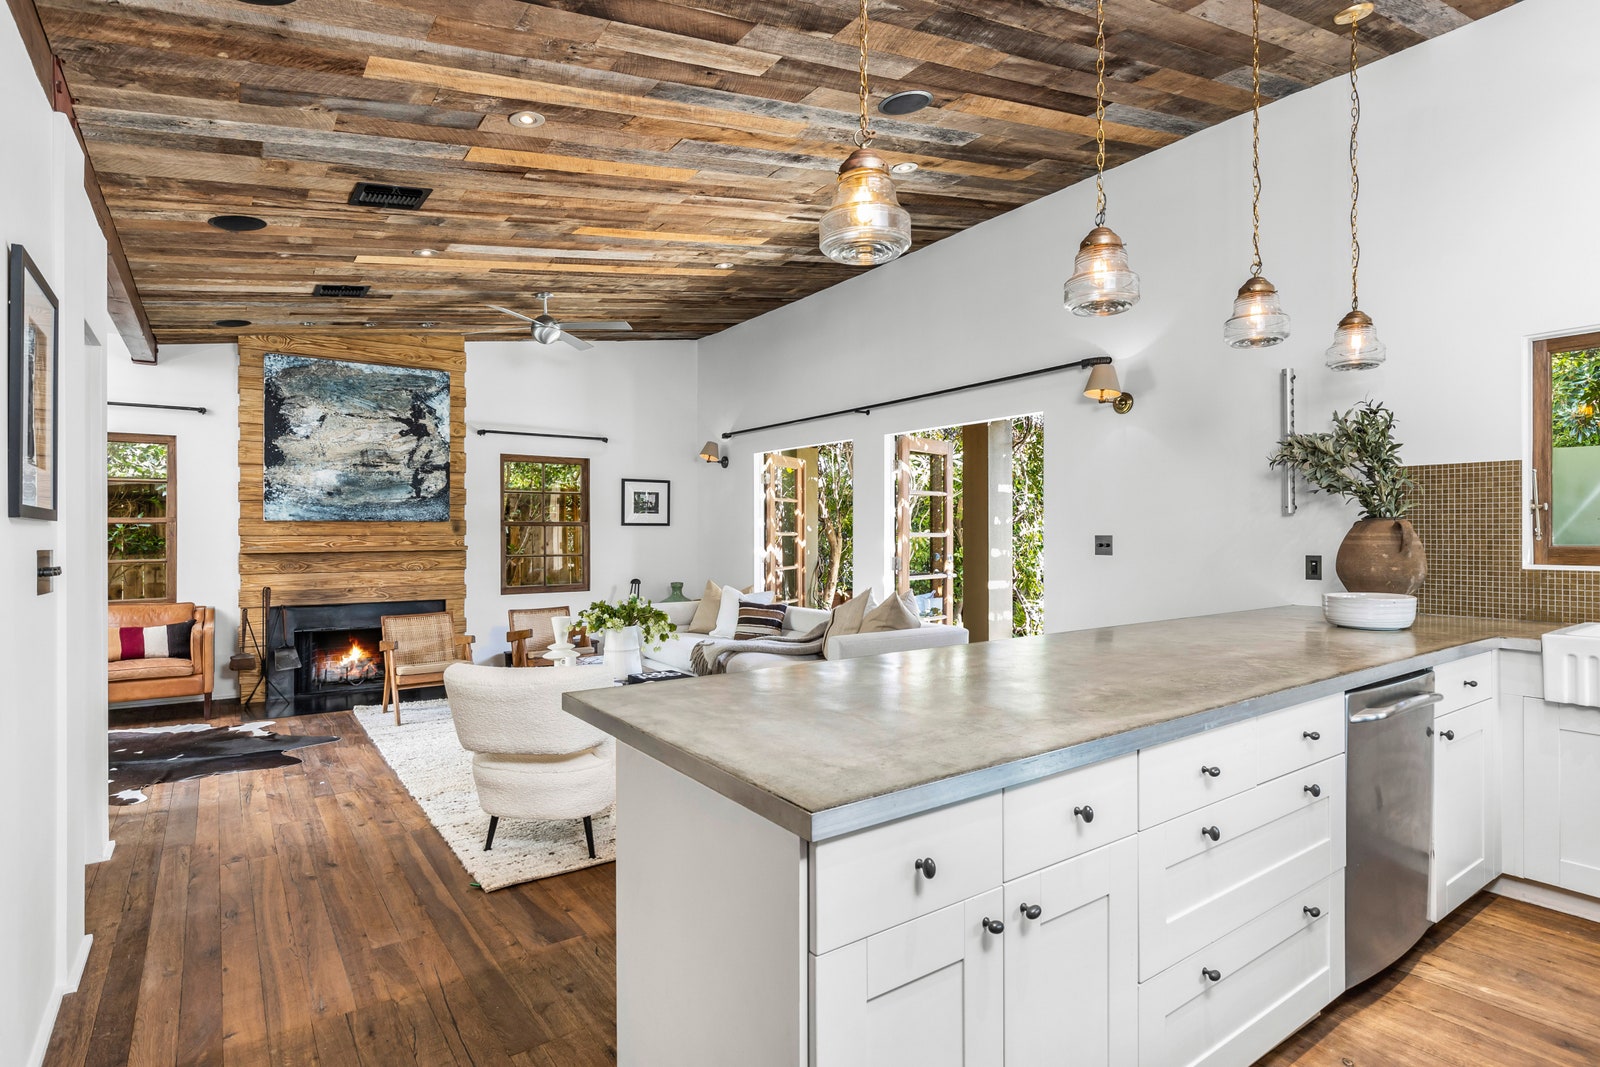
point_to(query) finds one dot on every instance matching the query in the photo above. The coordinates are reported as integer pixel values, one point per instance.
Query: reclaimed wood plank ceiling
(678, 137)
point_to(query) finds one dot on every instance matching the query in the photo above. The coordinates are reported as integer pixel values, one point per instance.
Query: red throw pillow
(149, 642)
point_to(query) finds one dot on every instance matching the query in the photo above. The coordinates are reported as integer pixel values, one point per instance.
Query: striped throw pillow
(149, 642)
(759, 620)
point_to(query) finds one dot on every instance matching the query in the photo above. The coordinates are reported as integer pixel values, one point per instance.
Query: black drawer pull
(1314, 912)
(994, 926)
(927, 867)
(1032, 911)
(1311, 735)
(1314, 789)
(1212, 771)
(1211, 974)
(1449, 735)
(1470, 683)
(1211, 832)
(1086, 813)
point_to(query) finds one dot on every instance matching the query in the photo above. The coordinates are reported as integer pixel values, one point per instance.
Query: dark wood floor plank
(244, 1016)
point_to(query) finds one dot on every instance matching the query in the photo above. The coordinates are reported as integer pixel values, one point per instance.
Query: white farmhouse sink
(1572, 665)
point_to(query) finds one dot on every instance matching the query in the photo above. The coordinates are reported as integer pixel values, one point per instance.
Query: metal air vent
(343, 292)
(396, 197)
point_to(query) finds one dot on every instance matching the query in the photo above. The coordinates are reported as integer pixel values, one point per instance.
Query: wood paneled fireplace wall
(312, 563)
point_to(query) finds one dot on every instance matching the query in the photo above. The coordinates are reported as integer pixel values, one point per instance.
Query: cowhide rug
(178, 753)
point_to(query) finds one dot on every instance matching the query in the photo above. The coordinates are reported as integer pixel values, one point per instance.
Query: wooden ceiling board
(678, 136)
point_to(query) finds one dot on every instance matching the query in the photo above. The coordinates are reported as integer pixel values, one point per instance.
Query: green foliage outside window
(138, 518)
(1575, 398)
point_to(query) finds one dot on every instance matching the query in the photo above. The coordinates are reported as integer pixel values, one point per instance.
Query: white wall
(208, 470)
(1469, 176)
(54, 704)
(640, 394)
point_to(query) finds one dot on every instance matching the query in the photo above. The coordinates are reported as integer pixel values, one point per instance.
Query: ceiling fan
(547, 331)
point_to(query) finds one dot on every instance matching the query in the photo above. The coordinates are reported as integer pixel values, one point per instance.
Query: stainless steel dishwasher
(1389, 825)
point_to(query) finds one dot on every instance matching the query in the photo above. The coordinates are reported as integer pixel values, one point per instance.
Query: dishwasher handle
(1383, 711)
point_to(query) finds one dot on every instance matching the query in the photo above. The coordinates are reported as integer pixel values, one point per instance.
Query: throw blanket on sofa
(711, 657)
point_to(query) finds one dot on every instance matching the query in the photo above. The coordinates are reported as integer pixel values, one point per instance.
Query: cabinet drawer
(1271, 840)
(1464, 682)
(1174, 778)
(1299, 736)
(1070, 814)
(1275, 973)
(868, 881)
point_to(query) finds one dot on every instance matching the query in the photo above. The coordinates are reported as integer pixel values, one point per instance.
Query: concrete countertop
(827, 748)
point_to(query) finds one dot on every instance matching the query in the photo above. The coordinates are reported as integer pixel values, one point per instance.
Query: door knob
(1314, 912)
(994, 926)
(927, 867)
(1211, 974)
(1311, 735)
(1032, 911)
(1314, 789)
(1212, 771)
(1211, 832)
(1449, 735)
(1086, 813)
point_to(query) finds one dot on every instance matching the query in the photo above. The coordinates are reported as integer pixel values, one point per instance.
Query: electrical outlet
(1102, 544)
(1313, 568)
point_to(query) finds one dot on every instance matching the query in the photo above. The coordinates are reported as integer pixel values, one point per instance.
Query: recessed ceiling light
(724, 266)
(232, 323)
(905, 103)
(237, 223)
(525, 120)
(269, 3)
(903, 168)
(308, 323)
(427, 325)
(369, 324)
(424, 251)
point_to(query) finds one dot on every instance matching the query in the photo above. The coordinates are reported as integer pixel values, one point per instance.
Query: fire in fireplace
(340, 665)
(339, 659)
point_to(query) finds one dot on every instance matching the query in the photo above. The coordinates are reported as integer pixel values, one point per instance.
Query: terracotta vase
(1382, 556)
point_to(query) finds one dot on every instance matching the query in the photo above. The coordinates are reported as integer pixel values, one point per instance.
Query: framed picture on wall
(31, 386)
(646, 502)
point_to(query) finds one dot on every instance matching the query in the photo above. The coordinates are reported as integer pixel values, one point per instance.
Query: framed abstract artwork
(31, 439)
(646, 502)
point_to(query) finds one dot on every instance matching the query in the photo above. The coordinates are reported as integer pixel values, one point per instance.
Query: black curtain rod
(867, 409)
(163, 407)
(536, 433)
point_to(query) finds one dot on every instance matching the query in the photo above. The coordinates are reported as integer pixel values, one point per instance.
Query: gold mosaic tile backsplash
(1469, 516)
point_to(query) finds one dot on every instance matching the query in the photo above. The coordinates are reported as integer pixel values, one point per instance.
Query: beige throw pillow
(896, 613)
(846, 618)
(705, 616)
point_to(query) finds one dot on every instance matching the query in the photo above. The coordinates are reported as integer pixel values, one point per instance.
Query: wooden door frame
(1545, 551)
(773, 567)
(905, 445)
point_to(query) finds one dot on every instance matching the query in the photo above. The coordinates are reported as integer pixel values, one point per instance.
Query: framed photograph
(646, 502)
(31, 440)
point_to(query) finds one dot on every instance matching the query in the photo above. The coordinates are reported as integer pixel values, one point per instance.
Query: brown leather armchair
(147, 679)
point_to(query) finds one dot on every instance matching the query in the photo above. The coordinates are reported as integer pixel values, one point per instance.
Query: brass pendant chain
(1255, 138)
(1100, 112)
(1355, 177)
(865, 134)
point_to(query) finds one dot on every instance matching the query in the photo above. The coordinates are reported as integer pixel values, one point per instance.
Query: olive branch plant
(1358, 460)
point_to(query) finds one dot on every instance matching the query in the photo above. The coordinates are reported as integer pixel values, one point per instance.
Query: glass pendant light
(1101, 283)
(1355, 341)
(866, 225)
(1258, 319)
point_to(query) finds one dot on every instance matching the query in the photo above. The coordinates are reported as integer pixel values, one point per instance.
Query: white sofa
(673, 654)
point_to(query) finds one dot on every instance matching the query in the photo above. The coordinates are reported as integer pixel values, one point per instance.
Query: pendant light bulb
(865, 225)
(1355, 340)
(1258, 318)
(1102, 282)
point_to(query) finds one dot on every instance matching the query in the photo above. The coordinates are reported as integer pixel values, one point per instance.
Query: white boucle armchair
(530, 759)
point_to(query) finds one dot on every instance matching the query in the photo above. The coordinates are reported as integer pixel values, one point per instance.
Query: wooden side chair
(416, 650)
(529, 633)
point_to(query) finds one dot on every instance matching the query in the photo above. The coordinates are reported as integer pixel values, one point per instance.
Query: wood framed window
(925, 525)
(141, 517)
(1566, 450)
(544, 516)
(786, 563)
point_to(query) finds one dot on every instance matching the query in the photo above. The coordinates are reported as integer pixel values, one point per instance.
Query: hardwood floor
(311, 914)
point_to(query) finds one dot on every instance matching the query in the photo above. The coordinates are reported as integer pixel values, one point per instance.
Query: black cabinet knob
(1470, 684)
(994, 926)
(1311, 735)
(1211, 974)
(927, 867)
(1314, 789)
(1032, 911)
(1212, 771)
(1211, 832)
(1449, 735)
(1086, 813)
(1314, 912)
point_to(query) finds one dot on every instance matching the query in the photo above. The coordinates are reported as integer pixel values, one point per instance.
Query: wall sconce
(1104, 388)
(712, 453)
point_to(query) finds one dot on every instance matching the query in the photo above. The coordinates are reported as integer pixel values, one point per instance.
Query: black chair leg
(494, 820)
(588, 833)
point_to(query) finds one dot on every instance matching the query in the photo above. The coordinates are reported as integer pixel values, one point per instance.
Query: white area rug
(437, 771)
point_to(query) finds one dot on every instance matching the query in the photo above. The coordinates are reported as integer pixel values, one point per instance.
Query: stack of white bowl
(1370, 611)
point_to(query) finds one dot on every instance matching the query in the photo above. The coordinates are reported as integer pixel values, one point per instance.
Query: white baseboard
(111, 846)
(1547, 896)
(69, 984)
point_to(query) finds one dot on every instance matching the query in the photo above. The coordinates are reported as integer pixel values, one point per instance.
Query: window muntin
(141, 518)
(544, 516)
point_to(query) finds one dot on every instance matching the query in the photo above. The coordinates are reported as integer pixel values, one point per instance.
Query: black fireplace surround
(321, 634)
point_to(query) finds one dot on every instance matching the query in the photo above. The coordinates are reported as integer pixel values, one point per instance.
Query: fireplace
(340, 663)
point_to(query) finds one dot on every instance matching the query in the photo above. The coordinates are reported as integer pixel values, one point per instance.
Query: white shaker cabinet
(1561, 775)
(1465, 829)
(1072, 939)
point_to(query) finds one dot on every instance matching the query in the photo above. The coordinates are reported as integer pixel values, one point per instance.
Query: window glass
(140, 517)
(544, 508)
